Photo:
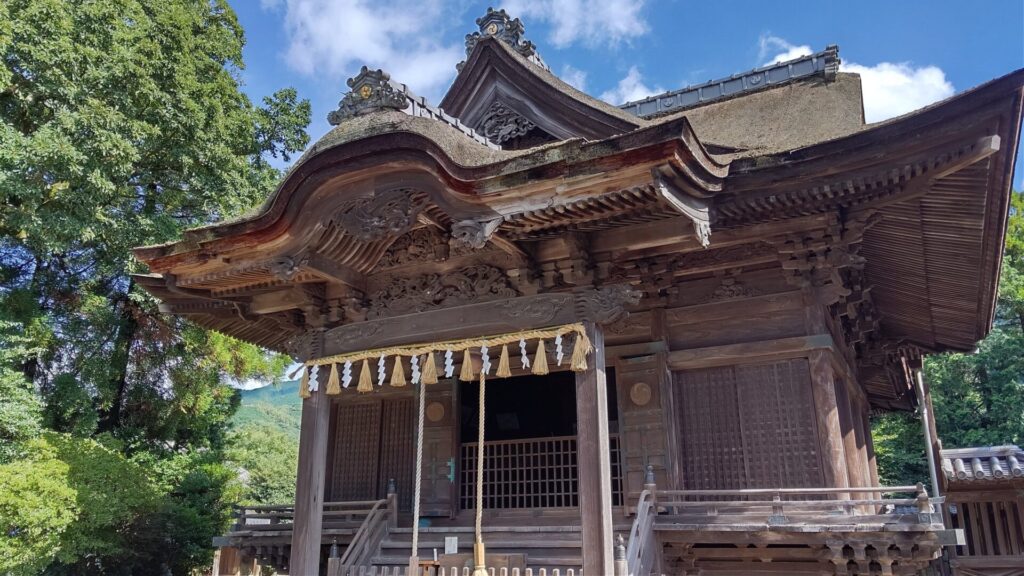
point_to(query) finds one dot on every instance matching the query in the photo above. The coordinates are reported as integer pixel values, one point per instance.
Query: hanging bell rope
(479, 552)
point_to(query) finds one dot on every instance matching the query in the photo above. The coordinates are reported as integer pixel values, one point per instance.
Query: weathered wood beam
(594, 459)
(603, 305)
(334, 272)
(288, 298)
(729, 354)
(310, 482)
(676, 235)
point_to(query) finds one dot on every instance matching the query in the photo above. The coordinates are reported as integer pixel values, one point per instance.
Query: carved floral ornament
(501, 123)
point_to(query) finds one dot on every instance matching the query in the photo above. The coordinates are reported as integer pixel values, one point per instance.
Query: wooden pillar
(310, 480)
(826, 413)
(594, 459)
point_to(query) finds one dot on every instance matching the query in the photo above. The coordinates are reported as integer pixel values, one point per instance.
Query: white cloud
(574, 77)
(593, 22)
(334, 38)
(894, 89)
(890, 89)
(769, 44)
(630, 88)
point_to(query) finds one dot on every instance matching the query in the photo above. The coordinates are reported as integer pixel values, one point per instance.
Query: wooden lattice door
(356, 451)
(397, 449)
(374, 440)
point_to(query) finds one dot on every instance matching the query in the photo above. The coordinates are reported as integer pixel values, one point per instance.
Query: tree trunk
(121, 353)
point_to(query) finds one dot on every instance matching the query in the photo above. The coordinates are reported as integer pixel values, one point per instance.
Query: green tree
(122, 122)
(267, 459)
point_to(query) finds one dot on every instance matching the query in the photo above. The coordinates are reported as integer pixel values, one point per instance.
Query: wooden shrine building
(533, 323)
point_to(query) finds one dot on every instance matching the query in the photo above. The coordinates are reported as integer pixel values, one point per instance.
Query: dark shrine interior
(527, 406)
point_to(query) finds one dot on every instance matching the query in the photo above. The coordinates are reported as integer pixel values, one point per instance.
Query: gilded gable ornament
(498, 24)
(369, 90)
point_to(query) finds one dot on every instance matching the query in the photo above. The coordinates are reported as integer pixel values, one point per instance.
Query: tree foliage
(122, 122)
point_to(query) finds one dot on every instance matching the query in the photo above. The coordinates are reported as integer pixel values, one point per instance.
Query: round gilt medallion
(640, 394)
(492, 29)
(435, 412)
(365, 91)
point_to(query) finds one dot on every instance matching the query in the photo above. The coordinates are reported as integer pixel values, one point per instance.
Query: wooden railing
(252, 520)
(777, 505)
(641, 552)
(705, 509)
(382, 515)
(530, 473)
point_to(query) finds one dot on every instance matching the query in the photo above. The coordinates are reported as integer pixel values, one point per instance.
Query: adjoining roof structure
(824, 64)
(515, 156)
(971, 467)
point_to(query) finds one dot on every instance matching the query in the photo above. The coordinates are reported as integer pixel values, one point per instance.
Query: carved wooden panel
(398, 449)
(748, 427)
(356, 446)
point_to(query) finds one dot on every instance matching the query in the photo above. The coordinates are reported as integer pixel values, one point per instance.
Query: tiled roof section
(824, 64)
(983, 464)
(422, 109)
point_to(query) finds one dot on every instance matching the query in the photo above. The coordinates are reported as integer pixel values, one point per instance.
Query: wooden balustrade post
(924, 505)
(621, 568)
(392, 503)
(334, 560)
(651, 487)
(594, 459)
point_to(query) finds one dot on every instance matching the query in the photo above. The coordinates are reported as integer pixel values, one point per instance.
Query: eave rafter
(876, 184)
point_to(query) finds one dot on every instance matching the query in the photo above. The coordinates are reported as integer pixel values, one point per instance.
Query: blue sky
(909, 53)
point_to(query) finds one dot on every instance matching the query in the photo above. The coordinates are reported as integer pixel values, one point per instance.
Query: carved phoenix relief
(385, 214)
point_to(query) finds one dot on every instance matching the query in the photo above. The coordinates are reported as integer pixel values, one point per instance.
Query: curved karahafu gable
(383, 175)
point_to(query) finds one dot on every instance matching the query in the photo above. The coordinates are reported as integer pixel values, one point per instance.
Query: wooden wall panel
(356, 447)
(643, 436)
(748, 426)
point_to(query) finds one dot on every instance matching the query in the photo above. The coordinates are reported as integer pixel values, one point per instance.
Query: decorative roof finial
(499, 24)
(370, 90)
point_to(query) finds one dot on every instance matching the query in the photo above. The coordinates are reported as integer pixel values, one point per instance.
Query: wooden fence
(441, 571)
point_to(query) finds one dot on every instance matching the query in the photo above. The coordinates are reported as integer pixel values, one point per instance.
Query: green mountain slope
(276, 406)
